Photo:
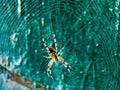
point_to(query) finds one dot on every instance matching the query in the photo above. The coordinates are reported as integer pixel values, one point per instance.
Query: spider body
(54, 55)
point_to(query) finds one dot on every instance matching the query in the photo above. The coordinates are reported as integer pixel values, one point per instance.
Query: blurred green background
(89, 28)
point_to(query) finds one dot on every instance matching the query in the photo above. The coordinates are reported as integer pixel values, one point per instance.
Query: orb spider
(54, 55)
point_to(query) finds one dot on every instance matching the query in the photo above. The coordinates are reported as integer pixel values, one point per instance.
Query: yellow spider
(54, 55)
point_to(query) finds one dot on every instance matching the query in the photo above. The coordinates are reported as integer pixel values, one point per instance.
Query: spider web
(91, 28)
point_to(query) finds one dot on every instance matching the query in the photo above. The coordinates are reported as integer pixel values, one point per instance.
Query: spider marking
(54, 55)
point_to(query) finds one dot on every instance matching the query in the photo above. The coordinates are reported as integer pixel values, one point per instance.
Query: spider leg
(55, 41)
(63, 46)
(43, 40)
(66, 65)
(49, 71)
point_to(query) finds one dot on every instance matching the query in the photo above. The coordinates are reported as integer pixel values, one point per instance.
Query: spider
(54, 55)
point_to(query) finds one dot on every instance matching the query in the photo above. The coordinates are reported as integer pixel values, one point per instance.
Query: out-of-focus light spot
(84, 13)
(62, 76)
(25, 18)
(103, 71)
(60, 87)
(35, 50)
(117, 25)
(13, 36)
(110, 9)
(0, 59)
(29, 31)
(89, 37)
(17, 62)
(19, 7)
(97, 45)
(42, 21)
(3, 4)
(81, 72)
(43, 3)
(47, 86)
(13, 39)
